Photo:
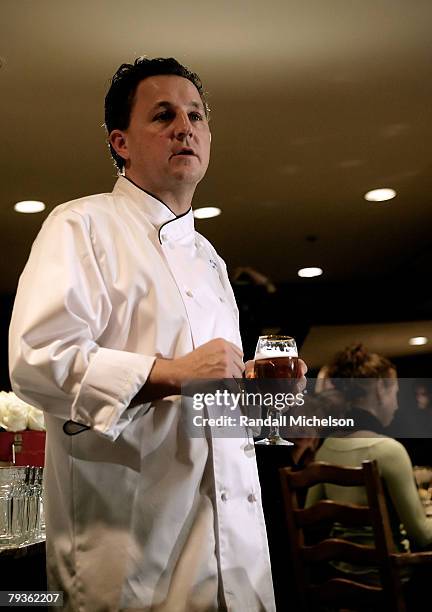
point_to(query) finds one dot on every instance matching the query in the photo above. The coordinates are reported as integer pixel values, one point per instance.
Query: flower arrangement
(16, 415)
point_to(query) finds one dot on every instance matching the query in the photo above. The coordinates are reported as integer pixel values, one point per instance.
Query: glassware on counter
(21, 506)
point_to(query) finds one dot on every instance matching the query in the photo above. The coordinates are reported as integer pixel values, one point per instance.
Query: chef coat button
(224, 496)
(189, 293)
(252, 498)
(221, 299)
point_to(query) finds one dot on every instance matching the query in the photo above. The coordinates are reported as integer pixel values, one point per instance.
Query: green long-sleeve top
(396, 470)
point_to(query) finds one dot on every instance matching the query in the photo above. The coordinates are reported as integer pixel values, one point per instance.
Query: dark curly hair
(352, 371)
(120, 97)
(356, 362)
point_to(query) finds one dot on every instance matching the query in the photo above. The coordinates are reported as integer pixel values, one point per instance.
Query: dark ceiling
(313, 104)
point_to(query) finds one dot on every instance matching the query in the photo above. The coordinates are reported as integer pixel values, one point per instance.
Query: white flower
(17, 415)
(35, 419)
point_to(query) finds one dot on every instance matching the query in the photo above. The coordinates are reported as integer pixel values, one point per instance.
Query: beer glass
(276, 357)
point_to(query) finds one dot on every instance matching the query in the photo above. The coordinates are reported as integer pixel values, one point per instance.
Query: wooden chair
(337, 592)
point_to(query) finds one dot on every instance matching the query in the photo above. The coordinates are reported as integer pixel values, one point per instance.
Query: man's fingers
(238, 367)
(236, 360)
(236, 349)
(249, 368)
(303, 367)
(301, 384)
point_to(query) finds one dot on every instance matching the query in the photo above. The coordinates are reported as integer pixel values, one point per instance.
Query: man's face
(167, 143)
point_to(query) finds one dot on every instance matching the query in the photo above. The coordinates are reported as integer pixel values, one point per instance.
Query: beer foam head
(272, 352)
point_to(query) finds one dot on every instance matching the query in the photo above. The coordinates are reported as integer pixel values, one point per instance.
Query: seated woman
(369, 385)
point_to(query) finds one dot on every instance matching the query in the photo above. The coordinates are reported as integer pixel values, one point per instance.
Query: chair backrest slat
(374, 516)
(352, 594)
(333, 549)
(326, 510)
(325, 472)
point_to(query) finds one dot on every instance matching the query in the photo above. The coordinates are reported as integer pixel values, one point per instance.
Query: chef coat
(139, 514)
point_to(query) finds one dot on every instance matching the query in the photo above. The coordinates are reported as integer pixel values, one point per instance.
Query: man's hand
(215, 359)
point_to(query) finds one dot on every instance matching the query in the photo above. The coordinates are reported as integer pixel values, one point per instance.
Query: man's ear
(118, 141)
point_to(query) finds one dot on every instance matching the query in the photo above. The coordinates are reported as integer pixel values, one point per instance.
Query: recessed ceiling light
(418, 340)
(309, 272)
(206, 212)
(380, 195)
(29, 206)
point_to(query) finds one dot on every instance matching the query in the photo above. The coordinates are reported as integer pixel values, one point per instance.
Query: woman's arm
(397, 471)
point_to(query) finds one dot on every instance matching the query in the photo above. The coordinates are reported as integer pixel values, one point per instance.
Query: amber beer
(277, 367)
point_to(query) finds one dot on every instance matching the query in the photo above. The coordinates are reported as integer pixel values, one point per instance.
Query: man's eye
(164, 116)
(195, 116)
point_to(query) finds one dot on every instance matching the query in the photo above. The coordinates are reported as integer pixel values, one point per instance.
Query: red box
(27, 447)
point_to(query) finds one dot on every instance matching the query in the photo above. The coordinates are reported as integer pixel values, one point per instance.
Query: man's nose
(183, 127)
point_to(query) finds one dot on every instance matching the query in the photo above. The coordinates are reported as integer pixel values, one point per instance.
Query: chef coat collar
(169, 225)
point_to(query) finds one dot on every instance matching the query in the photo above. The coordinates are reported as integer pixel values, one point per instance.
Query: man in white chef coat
(122, 301)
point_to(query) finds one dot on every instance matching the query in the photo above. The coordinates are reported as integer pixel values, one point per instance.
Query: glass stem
(274, 427)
